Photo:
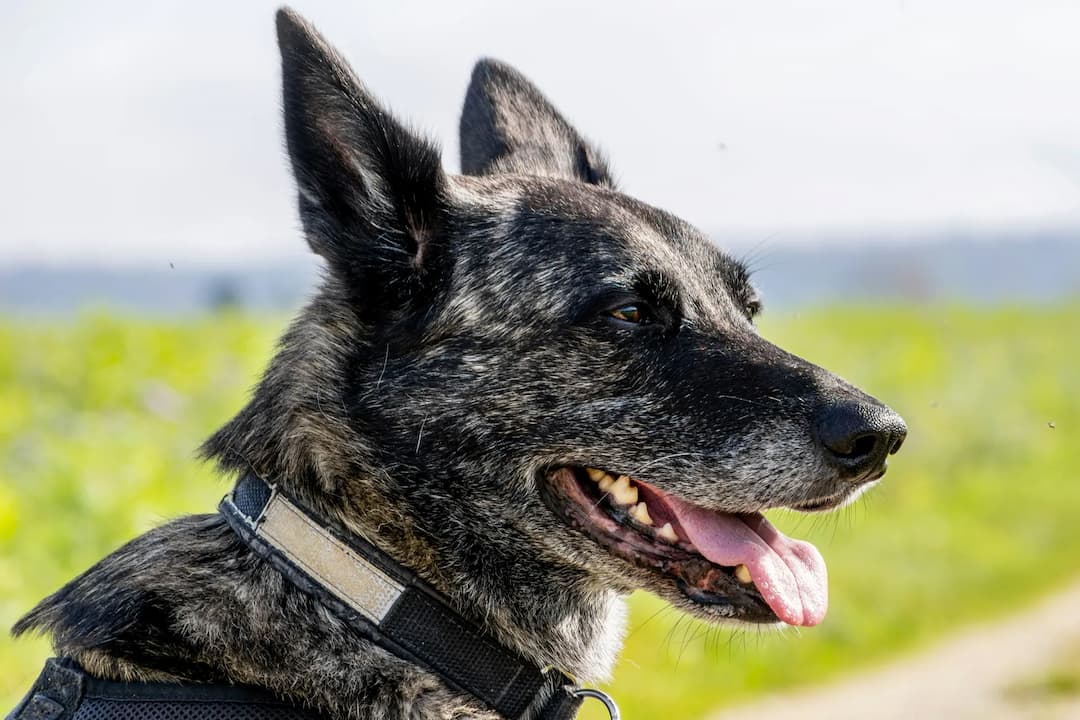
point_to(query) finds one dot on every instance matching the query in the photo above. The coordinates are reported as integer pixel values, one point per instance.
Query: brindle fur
(456, 349)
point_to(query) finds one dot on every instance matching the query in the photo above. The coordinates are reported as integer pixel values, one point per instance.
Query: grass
(100, 417)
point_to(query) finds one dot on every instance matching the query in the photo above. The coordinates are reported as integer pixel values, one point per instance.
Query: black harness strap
(64, 691)
(391, 606)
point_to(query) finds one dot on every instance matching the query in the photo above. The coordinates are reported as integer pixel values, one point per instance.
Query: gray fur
(454, 352)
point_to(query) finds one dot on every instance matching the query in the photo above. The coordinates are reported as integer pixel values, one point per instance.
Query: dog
(532, 391)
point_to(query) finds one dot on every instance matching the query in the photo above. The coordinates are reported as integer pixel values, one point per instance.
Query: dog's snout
(859, 436)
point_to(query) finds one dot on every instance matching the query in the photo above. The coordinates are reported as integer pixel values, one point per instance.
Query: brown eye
(628, 313)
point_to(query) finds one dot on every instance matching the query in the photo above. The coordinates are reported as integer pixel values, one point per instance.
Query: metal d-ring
(612, 708)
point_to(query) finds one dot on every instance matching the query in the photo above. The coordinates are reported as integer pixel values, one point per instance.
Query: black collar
(389, 605)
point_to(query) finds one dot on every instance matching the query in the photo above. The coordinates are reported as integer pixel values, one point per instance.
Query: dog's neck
(551, 613)
(189, 601)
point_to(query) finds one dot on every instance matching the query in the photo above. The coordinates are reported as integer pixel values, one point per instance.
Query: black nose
(858, 437)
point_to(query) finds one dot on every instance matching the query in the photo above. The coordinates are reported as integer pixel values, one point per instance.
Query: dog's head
(532, 368)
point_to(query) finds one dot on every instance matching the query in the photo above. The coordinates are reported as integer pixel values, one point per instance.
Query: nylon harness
(381, 600)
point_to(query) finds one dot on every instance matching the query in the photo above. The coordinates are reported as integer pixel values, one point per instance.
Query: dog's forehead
(552, 233)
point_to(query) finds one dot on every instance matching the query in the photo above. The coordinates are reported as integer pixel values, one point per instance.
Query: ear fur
(508, 126)
(370, 190)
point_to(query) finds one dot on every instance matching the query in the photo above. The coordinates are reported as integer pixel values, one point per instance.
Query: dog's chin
(654, 533)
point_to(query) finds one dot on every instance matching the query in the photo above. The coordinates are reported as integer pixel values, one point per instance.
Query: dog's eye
(629, 314)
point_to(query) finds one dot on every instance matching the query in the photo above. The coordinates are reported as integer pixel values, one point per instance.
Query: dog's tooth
(742, 574)
(595, 474)
(667, 533)
(640, 512)
(620, 489)
(606, 482)
(622, 492)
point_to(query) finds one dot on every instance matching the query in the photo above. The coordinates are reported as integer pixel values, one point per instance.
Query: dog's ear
(508, 126)
(369, 189)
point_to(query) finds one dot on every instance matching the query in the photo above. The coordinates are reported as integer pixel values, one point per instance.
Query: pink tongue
(790, 574)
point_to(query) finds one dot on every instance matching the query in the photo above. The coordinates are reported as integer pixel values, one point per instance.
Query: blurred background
(903, 177)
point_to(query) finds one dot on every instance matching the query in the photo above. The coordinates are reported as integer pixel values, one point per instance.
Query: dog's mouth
(734, 565)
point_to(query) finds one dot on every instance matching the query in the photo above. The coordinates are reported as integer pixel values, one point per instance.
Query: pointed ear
(508, 126)
(370, 191)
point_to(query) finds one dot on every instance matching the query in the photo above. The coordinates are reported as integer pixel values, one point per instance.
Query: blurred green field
(100, 417)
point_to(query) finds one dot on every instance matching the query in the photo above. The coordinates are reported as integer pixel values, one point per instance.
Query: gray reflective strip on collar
(337, 567)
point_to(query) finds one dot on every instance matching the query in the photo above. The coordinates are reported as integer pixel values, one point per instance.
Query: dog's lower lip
(820, 504)
(838, 499)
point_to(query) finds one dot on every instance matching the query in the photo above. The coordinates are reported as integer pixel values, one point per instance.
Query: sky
(134, 132)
